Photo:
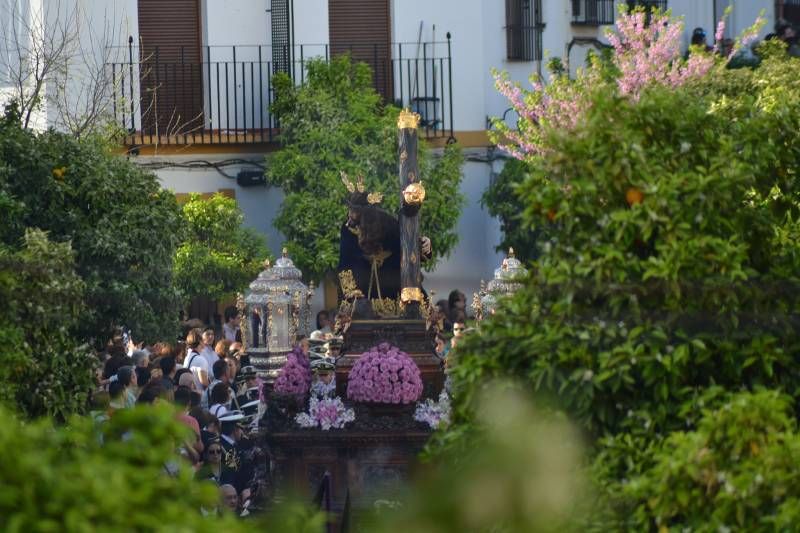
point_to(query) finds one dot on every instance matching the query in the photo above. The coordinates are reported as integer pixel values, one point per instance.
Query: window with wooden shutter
(170, 66)
(524, 27)
(362, 28)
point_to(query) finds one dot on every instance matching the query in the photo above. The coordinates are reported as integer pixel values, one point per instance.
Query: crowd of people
(784, 32)
(216, 395)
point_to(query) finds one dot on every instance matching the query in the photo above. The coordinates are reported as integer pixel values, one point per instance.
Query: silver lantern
(278, 309)
(507, 280)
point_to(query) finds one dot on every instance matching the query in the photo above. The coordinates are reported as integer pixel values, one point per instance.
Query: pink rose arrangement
(294, 377)
(384, 374)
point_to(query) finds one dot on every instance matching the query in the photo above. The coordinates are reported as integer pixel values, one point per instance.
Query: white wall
(259, 204)
(474, 259)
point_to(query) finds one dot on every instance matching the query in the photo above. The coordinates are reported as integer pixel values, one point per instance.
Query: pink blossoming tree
(646, 52)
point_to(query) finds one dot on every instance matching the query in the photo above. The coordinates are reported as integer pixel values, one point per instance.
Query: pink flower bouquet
(294, 378)
(384, 374)
(325, 413)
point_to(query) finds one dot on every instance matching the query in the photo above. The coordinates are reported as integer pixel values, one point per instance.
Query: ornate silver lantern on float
(277, 309)
(507, 280)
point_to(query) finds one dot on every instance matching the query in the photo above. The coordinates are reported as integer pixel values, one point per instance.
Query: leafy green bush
(336, 122)
(79, 477)
(736, 471)
(218, 256)
(669, 274)
(124, 228)
(44, 371)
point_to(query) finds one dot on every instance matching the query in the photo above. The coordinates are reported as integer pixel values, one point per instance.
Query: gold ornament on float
(414, 194)
(407, 120)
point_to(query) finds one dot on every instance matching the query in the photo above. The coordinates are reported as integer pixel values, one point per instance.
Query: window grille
(593, 12)
(524, 29)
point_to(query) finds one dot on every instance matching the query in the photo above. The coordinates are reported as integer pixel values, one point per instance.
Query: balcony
(593, 12)
(162, 98)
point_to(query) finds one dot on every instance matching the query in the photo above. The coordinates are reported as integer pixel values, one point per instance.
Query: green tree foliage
(79, 477)
(124, 228)
(500, 198)
(736, 471)
(218, 256)
(44, 371)
(669, 275)
(336, 122)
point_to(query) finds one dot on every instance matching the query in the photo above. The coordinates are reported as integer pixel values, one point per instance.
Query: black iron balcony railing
(593, 12)
(648, 4)
(788, 10)
(224, 97)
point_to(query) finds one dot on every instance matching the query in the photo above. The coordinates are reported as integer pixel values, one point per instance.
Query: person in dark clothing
(168, 371)
(233, 457)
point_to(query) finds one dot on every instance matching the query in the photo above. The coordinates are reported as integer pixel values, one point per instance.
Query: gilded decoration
(386, 307)
(348, 284)
(411, 294)
(374, 198)
(408, 120)
(414, 194)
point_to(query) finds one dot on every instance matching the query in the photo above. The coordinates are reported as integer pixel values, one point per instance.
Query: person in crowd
(207, 347)
(324, 322)
(116, 360)
(233, 370)
(231, 438)
(127, 377)
(180, 353)
(187, 380)
(229, 498)
(222, 347)
(211, 468)
(220, 372)
(117, 397)
(179, 373)
(459, 329)
(151, 394)
(249, 383)
(199, 365)
(456, 302)
(698, 40)
(442, 346)
(786, 33)
(143, 376)
(220, 399)
(168, 370)
(231, 330)
(209, 425)
(141, 358)
(183, 400)
(237, 351)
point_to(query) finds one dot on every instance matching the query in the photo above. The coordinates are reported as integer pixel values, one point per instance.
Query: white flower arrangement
(325, 413)
(434, 413)
(321, 389)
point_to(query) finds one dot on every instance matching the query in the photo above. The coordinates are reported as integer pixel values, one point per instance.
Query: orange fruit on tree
(551, 214)
(634, 196)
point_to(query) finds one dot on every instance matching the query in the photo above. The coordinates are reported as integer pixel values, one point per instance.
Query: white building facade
(190, 80)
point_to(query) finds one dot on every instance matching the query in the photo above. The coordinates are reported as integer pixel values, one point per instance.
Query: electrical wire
(201, 164)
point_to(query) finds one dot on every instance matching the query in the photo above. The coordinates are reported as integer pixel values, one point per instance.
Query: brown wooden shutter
(362, 27)
(171, 66)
